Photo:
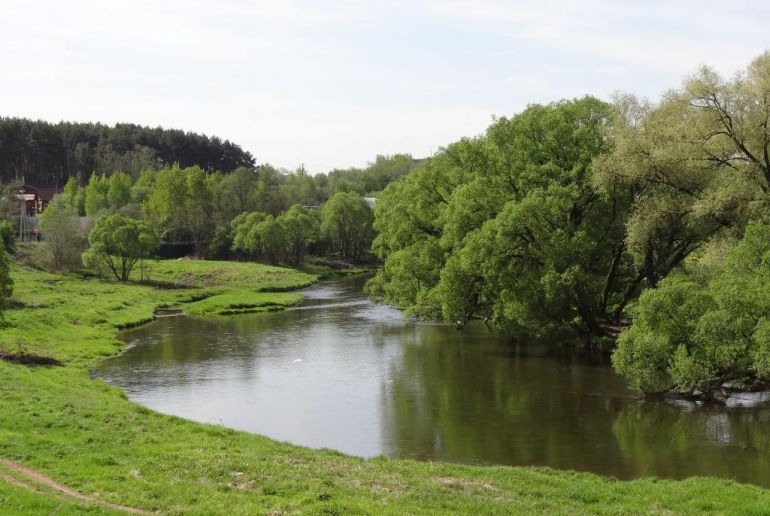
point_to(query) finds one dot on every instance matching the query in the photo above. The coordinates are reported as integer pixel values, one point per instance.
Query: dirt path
(29, 479)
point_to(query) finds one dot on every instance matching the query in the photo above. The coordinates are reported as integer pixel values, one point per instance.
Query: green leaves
(703, 334)
(118, 242)
(507, 225)
(346, 220)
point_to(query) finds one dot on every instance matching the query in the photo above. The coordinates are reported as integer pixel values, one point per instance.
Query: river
(341, 372)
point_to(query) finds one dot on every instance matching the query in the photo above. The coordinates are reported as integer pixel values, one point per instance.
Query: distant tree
(198, 207)
(245, 237)
(119, 243)
(299, 188)
(97, 201)
(221, 243)
(74, 196)
(119, 191)
(167, 202)
(269, 239)
(268, 195)
(300, 229)
(346, 220)
(63, 233)
(48, 154)
(235, 194)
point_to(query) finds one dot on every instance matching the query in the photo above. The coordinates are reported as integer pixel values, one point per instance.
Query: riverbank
(89, 437)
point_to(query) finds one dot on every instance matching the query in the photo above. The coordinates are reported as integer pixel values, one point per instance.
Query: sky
(334, 84)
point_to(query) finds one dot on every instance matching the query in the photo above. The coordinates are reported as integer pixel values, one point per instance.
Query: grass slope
(88, 436)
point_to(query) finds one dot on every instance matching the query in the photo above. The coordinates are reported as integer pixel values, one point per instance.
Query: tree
(118, 243)
(300, 229)
(235, 194)
(74, 197)
(346, 220)
(698, 165)
(508, 226)
(119, 191)
(198, 207)
(63, 233)
(167, 201)
(245, 237)
(97, 201)
(7, 236)
(698, 333)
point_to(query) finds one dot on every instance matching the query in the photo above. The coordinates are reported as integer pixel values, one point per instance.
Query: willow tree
(346, 221)
(118, 243)
(509, 226)
(697, 165)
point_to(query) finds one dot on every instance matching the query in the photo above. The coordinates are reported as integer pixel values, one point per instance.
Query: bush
(690, 335)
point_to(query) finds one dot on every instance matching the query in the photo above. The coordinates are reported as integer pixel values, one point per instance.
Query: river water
(342, 373)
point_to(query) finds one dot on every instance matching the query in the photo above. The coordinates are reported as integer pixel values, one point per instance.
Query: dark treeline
(47, 154)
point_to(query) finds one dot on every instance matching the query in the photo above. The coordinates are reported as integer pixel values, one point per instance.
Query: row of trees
(48, 154)
(191, 205)
(131, 219)
(343, 226)
(562, 216)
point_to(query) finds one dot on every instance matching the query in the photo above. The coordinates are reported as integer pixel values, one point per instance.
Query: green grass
(240, 301)
(225, 275)
(17, 500)
(88, 436)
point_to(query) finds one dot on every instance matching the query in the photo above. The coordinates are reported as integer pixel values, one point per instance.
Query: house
(37, 198)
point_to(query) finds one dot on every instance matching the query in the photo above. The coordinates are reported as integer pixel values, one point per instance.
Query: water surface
(343, 373)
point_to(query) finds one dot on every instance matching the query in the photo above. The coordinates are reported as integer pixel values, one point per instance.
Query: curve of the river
(343, 373)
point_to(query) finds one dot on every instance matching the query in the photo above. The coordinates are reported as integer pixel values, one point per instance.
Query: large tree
(509, 226)
(118, 243)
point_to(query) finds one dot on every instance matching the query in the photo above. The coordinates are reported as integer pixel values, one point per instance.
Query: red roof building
(38, 197)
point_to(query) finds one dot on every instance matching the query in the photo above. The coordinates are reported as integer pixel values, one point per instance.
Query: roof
(45, 193)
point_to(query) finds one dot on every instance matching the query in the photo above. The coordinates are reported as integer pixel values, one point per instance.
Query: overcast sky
(333, 84)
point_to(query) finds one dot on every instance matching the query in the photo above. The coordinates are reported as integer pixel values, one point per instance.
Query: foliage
(698, 335)
(509, 226)
(118, 243)
(346, 220)
(285, 237)
(300, 229)
(6, 281)
(48, 154)
(7, 236)
(63, 233)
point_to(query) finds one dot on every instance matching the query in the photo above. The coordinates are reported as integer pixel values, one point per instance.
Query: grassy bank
(88, 436)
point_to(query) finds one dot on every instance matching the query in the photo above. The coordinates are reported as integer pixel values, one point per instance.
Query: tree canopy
(118, 243)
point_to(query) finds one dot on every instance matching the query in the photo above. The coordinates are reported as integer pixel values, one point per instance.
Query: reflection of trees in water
(448, 396)
(190, 351)
(452, 396)
(661, 439)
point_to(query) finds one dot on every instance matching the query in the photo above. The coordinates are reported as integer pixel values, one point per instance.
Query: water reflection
(347, 374)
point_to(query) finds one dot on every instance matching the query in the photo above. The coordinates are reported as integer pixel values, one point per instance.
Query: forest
(46, 154)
